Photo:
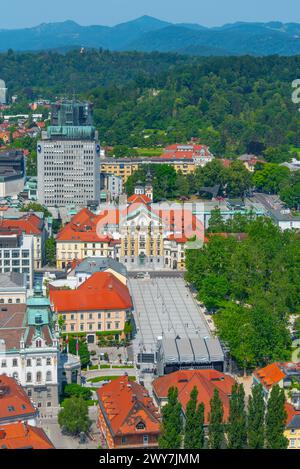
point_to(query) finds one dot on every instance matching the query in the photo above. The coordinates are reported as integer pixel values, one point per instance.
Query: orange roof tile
(29, 224)
(143, 199)
(14, 402)
(102, 291)
(269, 375)
(125, 404)
(206, 381)
(23, 436)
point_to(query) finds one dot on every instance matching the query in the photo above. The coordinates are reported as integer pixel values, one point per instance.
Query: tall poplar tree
(237, 425)
(171, 428)
(275, 420)
(256, 419)
(194, 423)
(216, 436)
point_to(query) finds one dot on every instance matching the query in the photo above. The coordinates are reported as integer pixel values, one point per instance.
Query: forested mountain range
(150, 34)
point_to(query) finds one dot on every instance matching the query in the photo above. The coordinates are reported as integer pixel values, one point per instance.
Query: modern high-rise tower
(69, 157)
(3, 92)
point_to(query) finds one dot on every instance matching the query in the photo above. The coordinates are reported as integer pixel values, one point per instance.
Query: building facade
(139, 234)
(79, 239)
(32, 225)
(3, 92)
(184, 159)
(29, 349)
(16, 253)
(127, 417)
(13, 288)
(69, 158)
(101, 304)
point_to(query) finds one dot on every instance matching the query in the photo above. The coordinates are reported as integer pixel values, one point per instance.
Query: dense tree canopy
(74, 416)
(171, 426)
(252, 285)
(234, 104)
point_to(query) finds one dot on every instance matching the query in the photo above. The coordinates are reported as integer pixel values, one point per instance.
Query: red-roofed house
(276, 373)
(23, 436)
(198, 154)
(292, 427)
(100, 304)
(80, 239)
(206, 381)
(30, 224)
(128, 417)
(15, 405)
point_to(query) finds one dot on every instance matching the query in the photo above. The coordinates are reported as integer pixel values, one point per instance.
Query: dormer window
(38, 343)
(140, 426)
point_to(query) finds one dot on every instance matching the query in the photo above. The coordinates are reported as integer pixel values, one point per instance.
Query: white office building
(3, 92)
(69, 158)
(16, 253)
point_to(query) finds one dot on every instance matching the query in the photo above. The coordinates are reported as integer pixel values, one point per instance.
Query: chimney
(26, 429)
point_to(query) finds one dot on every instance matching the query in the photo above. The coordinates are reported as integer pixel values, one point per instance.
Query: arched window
(1, 300)
(38, 343)
(28, 377)
(48, 376)
(39, 377)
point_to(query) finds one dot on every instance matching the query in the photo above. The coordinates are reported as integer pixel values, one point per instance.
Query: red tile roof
(87, 227)
(102, 291)
(83, 227)
(226, 163)
(269, 375)
(185, 151)
(143, 199)
(14, 402)
(29, 223)
(206, 381)
(23, 436)
(125, 404)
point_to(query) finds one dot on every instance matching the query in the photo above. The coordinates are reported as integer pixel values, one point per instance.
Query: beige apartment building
(100, 304)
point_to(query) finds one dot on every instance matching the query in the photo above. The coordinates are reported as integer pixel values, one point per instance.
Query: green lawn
(123, 366)
(108, 378)
(149, 151)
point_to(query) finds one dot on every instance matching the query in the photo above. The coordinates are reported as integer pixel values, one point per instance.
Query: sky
(19, 14)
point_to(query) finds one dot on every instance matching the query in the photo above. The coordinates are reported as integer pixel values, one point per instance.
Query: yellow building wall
(130, 168)
(294, 438)
(117, 321)
(66, 251)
